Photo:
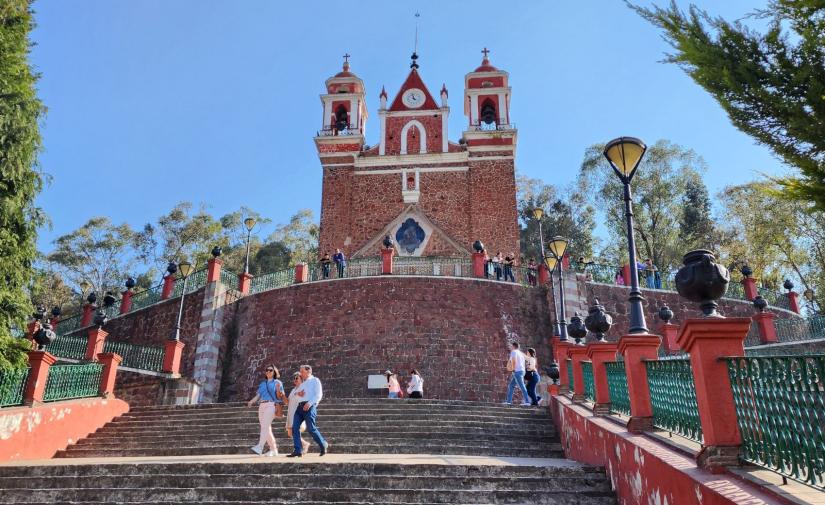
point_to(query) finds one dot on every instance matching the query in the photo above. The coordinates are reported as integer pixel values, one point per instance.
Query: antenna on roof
(414, 57)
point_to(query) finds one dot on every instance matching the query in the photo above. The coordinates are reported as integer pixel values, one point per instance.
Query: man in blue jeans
(310, 394)
(516, 362)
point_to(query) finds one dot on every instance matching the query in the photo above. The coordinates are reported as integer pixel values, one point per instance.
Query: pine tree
(20, 180)
(696, 224)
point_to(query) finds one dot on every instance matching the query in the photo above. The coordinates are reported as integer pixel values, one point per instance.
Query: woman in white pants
(292, 406)
(270, 392)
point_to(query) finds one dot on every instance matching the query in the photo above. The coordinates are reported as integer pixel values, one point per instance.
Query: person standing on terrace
(325, 264)
(532, 268)
(340, 262)
(509, 261)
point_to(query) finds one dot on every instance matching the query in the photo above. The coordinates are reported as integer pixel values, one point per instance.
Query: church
(432, 195)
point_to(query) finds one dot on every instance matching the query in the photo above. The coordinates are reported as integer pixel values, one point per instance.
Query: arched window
(341, 118)
(413, 133)
(488, 116)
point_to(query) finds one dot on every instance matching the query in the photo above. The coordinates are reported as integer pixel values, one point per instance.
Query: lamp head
(84, 286)
(185, 268)
(538, 213)
(550, 262)
(624, 155)
(557, 246)
(249, 223)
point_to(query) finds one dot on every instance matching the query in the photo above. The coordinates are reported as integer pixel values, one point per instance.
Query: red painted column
(301, 273)
(626, 275)
(478, 264)
(544, 275)
(110, 362)
(386, 261)
(767, 331)
(707, 340)
(53, 321)
(213, 270)
(599, 353)
(565, 261)
(244, 282)
(669, 332)
(172, 352)
(560, 349)
(94, 346)
(125, 301)
(168, 287)
(553, 389)
(578, 353)
(88, 312)
(39, 361)
(793, 301)
(635, 349)
(749, 285)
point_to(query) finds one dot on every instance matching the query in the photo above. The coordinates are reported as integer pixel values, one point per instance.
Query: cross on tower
(346, 58)
(486, 52)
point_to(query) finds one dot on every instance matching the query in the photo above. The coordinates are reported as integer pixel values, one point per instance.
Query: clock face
(413, 98)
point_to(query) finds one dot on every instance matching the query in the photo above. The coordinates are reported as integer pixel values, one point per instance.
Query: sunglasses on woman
(269, 370)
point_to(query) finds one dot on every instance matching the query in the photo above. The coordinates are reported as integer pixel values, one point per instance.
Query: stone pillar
(39, 361)
(301, 273)
(168, 287)
(552, 390)
(749, 286)
(172, 352)
(207, 369)
(88, 313)
(125, 302)
(578, 353)
(767, 331)
(386, 261)
(600, 353)
(110, 362)
(244, 282)
(94, 346)
(544, 275)
(635, 349)
(793, 301)
(708, 340)
(213, 270)
(560, 349)
(478, 264)
(669, 332)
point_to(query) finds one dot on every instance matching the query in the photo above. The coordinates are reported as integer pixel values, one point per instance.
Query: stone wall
(454, 331)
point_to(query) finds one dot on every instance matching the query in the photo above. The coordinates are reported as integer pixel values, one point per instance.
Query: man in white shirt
(516, 364)
(309, 394)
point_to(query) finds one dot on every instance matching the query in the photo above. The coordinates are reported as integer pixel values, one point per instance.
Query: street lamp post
(538, 213)
(550, 264)
(624, 155)
(185, 268)
(249, 223)
(557, 247)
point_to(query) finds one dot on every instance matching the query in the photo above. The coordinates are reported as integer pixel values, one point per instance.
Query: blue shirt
(312, 391)
(339, 258)
(267, 391)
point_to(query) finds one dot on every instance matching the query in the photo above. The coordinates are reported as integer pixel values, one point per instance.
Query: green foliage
(181, 235)
(20, 180)
(13, 352)
(772, 84)
(300, 236)
(696, 227)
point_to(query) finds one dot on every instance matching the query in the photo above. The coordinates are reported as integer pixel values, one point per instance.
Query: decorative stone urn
(387, 242)
(577, 329)
(702, 280)
(553, 372)
(665, 314)
(598, 322)
(478, 246)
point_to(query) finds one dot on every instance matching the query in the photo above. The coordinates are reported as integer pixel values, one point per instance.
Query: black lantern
(130, 283)
(577, 329)
(216, 251)
(387, 242)
(702, 280)
(665, 314)
(746, 271)
(788, 285)
(598, 321)
(760, 304)
(478, 246)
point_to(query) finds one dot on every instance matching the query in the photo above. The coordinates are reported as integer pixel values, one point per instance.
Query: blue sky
(152, 102)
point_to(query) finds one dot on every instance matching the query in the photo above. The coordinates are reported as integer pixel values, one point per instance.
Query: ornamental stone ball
(598, 321)
(760, 304)
(478, 246)
(44, 336)
(172, 268)
(56, 311)
(702, 280)
(217, 251)
(387, 242)
(577, 329)
(130, 283)
(665, 314)
(787, 284)
(746, 270)
(92, 298)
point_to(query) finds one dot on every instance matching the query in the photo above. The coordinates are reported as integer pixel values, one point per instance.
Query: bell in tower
(488, 114)
(345, 110)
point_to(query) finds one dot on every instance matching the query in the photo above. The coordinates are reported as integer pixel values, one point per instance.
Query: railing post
(39, 361)
(478, 264)
(110, 363)
(168, 287)
(244, 282)
(125, 302)
(94, 346)
(88, 313)
(626, 274)
(172, 352)
(708, 340)
(386, 261)
(301, 273)
(599, 353)
(749, 286)
(635, 349)
(767, 330)
(793, 301)
(213, 270)
(669, 331)
(577, 353)
(560, 349)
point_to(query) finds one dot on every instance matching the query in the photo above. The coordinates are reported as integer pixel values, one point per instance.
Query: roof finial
(346, 62)
(414, 56)
(485, 61)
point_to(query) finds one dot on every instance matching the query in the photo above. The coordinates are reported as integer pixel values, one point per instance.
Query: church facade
(431, 195)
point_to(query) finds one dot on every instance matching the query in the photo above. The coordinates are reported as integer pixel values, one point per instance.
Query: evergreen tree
(770, 84)
(20, 180)
(696, 224)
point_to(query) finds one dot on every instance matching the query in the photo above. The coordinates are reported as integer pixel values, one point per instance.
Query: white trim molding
(421, 132)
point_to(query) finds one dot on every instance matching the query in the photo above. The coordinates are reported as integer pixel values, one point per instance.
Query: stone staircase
(478, 454)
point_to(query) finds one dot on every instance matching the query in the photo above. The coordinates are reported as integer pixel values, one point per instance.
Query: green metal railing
(587, 377)
(790, 330)
(147, 297)
(73, 381)
(449, 267)
(12, 384)
(69, 346)
(673, 397)
(617, 385)
(142, 357)
(68, 324)
(570, 380)
(194, 282)
(780, 407)
(273, 280)
(229, 279)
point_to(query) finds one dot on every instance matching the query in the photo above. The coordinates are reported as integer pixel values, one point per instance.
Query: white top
(416, 384)
(312, 391)
(530, 363)
(518, 360)
(292, 407)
